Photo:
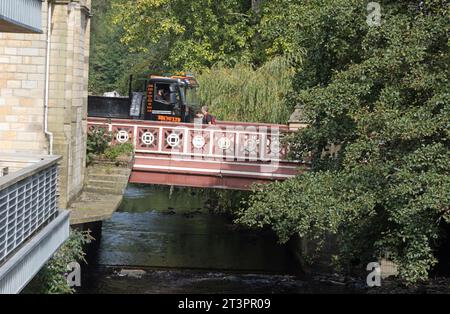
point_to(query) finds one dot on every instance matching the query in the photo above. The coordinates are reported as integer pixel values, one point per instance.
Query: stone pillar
(22, 90)
(297, 120)
(69, 63)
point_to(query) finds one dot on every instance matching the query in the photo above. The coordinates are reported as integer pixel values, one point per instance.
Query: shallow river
(163, 242)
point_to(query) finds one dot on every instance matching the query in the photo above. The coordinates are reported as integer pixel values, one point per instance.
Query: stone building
(44, 84)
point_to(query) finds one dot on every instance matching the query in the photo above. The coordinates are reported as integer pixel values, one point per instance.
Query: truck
(161, 98)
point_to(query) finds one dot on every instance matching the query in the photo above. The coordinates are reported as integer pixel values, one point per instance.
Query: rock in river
(133, 273)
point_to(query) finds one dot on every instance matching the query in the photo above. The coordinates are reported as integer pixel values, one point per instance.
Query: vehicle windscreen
(192, 99)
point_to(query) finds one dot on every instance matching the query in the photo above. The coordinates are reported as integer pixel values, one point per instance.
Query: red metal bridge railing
(225, 140)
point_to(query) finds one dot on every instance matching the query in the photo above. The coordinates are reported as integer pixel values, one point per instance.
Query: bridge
(228, 155)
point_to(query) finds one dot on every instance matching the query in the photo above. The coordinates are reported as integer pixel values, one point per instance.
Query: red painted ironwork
(228, 155)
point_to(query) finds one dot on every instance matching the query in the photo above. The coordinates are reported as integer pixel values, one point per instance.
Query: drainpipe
(47, 78)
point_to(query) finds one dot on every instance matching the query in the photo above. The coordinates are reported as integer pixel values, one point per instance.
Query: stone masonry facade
(22, 91)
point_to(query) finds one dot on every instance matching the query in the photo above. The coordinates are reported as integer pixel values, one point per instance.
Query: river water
(168, 242)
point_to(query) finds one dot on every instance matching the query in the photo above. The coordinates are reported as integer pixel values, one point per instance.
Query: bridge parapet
(229, 155)
(225, 140)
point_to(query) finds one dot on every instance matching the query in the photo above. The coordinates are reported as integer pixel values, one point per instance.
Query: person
(207, 118)
(160, 95)
(198, 118)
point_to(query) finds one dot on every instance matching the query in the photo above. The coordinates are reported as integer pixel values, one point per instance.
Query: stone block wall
(22, 91)
(22, 80)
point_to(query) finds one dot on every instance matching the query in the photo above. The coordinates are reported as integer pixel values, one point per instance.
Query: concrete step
(111, 183)
(109, 177)
(103, 190)
(108, 171)
(120, 162)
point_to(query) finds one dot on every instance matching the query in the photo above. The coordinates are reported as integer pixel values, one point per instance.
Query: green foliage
(107, 56)
(114, 151)
(51, 279)
(218, 40)
(278, 25)
(226, 202)
(243, 93)
(195, 34)
(328, 33)
(111, 62)
(381, 94)
(98, 141)
(170, 36)
(99, 144)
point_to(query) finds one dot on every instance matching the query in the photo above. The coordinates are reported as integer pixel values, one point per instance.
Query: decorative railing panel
(224, 141)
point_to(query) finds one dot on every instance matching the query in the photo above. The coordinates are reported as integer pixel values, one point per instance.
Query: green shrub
(114, 151)
(51, 279)
(97, 142)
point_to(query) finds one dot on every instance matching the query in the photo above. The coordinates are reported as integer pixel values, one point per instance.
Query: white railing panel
(28, 200)
(230, 142)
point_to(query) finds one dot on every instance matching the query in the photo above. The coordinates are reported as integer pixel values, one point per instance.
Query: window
(162, 93)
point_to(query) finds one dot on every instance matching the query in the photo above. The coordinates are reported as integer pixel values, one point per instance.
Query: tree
(216, 40)
(107, 55)
(381, 94)
(195, 34)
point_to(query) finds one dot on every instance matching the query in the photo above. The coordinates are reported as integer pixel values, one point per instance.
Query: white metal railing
(22, 12)
(28, 201)
(225, 141)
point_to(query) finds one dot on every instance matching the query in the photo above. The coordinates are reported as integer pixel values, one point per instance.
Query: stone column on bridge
(297, 120)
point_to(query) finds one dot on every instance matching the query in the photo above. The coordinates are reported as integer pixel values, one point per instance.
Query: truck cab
(166, 99)
(170, 99)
